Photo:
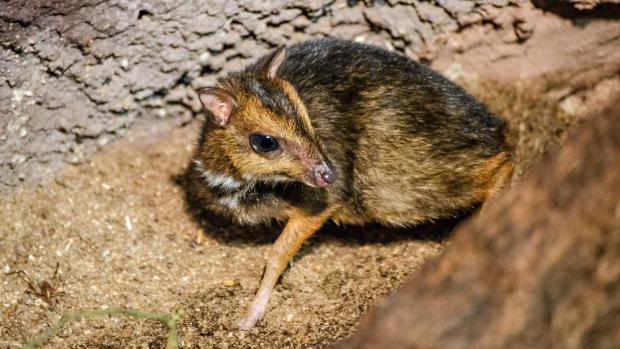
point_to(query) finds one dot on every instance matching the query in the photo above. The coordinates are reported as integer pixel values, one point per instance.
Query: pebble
(73, 159)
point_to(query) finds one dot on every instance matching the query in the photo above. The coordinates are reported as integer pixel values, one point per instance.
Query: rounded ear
(273, 64)
(219, 102)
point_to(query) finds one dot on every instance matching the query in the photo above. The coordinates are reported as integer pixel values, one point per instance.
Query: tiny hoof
(245, 324)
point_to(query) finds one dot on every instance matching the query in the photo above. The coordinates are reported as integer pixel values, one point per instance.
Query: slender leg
(297, 230)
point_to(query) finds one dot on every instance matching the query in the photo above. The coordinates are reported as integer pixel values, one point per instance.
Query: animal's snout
(325, 174)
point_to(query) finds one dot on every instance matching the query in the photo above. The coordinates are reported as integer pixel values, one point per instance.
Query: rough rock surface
(76, 75)
(539, 268)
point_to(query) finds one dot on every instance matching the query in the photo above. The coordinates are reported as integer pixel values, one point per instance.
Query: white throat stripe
(217, 179)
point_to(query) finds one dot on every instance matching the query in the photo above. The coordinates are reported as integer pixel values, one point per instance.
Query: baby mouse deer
(332, 129)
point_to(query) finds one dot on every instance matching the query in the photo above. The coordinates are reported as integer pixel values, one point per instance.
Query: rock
(229, 282)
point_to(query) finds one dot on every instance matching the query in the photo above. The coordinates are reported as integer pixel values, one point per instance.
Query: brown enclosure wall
(76, 75)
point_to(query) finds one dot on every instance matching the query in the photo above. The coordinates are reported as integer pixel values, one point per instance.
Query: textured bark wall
(539, 268)
(76, 75)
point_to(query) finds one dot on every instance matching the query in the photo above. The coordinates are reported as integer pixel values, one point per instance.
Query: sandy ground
(120, 231)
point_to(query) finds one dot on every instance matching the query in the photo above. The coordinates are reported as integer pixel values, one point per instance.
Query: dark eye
(263, 143)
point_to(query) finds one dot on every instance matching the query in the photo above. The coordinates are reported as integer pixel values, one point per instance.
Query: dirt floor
(120, 231)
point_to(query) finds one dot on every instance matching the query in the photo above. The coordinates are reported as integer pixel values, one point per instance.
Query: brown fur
(495, 175)
(363, 136)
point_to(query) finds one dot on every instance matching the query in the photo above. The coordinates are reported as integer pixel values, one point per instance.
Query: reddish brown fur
(253, 116)
(496, 174)
(363, 136)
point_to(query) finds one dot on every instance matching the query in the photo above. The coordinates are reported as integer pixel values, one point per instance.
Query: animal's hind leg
(501, 180)
(502, 177)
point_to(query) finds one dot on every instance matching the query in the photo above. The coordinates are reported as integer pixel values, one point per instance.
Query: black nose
(325, 173)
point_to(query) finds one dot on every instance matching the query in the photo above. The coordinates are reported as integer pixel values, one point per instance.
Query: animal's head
(261, 127)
